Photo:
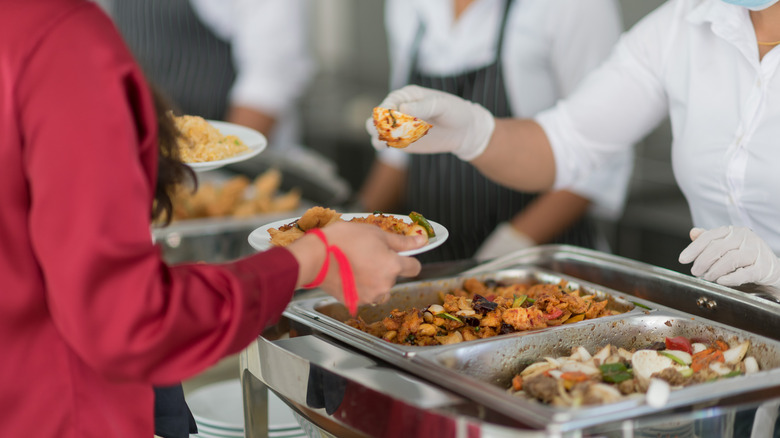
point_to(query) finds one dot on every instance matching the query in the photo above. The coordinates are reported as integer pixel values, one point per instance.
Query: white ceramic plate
(219, 407)
(260, 240)
(255, 141)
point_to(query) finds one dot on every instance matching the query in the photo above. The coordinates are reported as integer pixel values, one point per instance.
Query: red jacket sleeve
(90, 156)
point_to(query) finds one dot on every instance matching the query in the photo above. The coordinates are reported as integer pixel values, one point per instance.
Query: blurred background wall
(348, 37)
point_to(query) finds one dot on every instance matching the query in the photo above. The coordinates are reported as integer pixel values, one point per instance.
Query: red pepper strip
(555, 314)
(679, 343)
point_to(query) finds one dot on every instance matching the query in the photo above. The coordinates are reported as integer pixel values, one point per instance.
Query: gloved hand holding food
(459, 126)
(732, 256)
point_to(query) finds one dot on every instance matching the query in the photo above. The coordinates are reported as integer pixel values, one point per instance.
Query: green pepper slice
(672, 357)
(615, 372)
(420, 220)
(448, 316)
(518, 301)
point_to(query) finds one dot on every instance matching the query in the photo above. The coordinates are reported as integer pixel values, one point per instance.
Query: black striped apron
(194, 69)
(453, 192)
(179, 54)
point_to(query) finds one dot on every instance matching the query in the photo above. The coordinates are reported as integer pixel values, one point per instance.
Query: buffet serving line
(549, 341)
(341, 381)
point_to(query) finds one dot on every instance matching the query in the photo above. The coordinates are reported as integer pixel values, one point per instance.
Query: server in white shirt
(712, 67)
(246, 62)
(515, 58)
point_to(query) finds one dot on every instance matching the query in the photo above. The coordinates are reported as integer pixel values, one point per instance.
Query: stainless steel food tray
(483, 371)
(328, 314)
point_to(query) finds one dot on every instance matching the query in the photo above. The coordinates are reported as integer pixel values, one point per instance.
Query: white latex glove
(503, 240)
(731, 256)
(461, 127)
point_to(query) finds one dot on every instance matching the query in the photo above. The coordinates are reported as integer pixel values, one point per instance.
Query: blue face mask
(753, 5)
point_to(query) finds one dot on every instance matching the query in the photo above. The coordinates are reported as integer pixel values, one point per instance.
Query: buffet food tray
(329, 315)
(481, 370)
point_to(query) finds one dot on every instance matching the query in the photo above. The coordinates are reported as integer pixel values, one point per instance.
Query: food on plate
(320, 217)
(201, 142)
(399, 130)
(485, 309)
(237, 197)
(612, 373)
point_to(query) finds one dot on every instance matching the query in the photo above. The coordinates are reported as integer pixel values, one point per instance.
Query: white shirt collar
(730, 22)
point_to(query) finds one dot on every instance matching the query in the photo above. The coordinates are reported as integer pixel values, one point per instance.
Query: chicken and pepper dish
(485, 309)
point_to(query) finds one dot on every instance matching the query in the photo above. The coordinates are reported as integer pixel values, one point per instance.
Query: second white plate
(255, 141)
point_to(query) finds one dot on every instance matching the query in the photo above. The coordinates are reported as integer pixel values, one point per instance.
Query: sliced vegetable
(698, 346)
(615, 372)
(603, 354)
(575, 376)
(448, 316)
(518, 301)
(420, 220)
(575, 318)
(435, 309)
(640, 305)
(703, 359)
(751, 365)
(517, 382)
(648, 362)
(720, 368)
(679, 343)
(658, 393)
(678, 356)
(734, 355)
(555, 314)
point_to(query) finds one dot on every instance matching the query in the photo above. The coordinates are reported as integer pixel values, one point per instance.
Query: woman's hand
(372, 254)
(461, 127)
(732, 256)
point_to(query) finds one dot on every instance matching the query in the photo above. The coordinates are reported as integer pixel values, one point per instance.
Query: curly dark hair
(171, 171)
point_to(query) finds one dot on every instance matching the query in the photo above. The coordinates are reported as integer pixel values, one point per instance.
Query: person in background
(514, 58)
(711, 66)
(245, 62)
(91, 317)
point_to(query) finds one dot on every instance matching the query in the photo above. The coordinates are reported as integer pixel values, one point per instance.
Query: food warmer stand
(341, 383)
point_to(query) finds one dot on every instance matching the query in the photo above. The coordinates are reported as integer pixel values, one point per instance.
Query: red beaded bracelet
(345, 272)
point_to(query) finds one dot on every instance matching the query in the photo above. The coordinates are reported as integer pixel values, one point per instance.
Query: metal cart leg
(255, 406)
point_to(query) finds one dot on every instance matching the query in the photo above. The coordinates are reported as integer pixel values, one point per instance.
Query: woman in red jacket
(90, 315)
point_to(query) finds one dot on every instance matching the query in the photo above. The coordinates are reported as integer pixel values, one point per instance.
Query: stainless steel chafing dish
(458, 390)
(328, 315)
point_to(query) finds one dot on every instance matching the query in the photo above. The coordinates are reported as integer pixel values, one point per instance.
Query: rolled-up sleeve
(613, 108)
